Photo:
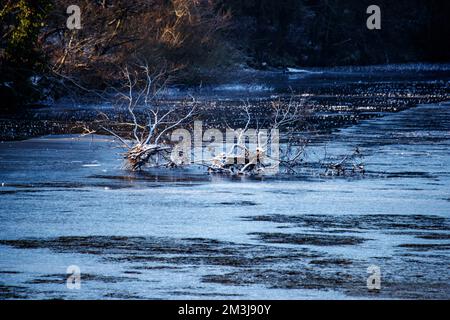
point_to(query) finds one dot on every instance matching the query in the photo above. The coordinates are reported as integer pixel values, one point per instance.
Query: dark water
(183, 234)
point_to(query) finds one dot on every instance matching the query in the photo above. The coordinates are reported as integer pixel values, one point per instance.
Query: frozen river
(66, 201)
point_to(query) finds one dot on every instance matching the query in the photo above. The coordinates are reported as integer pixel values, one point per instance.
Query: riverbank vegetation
(193, 41)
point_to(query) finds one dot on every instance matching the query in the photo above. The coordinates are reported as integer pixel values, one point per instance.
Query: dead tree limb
(148, 142)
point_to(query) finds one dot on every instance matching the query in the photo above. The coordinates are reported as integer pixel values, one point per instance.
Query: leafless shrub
(240, 159)
(176, 34)
(146, 140)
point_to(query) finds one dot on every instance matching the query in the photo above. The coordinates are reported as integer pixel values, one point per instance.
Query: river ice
(66, 201)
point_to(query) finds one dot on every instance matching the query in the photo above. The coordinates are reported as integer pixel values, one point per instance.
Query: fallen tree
(242, 159)
(146, 140)
(272, 146)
